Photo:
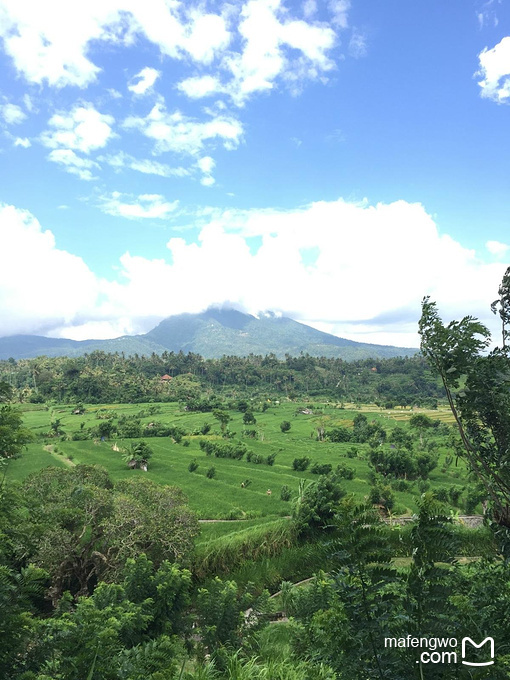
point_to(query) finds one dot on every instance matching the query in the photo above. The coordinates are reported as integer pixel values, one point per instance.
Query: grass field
(223, 496)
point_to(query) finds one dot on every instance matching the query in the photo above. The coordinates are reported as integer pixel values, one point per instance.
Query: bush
(185, 442)
(205, 428)
(300, 464)
(211, 473)
(285, 426)
(344, 471)
(321, 468)
(339, 434)
(352, 452)
(193, 466)
(249, 418)
(271, 459)
(285, 493)
(382, 495)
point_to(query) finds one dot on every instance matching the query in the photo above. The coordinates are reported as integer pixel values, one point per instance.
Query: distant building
(166, 378)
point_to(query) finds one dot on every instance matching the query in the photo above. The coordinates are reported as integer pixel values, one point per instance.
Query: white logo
(470, 663)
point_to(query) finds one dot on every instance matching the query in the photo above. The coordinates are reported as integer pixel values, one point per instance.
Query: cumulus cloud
(182, 134)
(81, 129)
(495, 72)
(12, 114)
(144, 206)
(354, 269)
(252, 42)
(497, 248)
(74, 164)
(50, 41)
(275, 47)
(144, 80)
(55, 288)
(351, 268)
(206, 166)
(24, 142)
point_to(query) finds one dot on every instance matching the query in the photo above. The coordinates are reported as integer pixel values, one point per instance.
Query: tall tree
(477, 386)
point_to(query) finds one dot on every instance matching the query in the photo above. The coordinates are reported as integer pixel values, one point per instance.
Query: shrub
(344, 471)
(205, 428)
(285, 493)
(352, 452)
(321, 468)
(249, 418)
(285, 426)
(185, 442)
(270, 459)
(339, 434)
(300, 464)
(211, 473)
(193, 466)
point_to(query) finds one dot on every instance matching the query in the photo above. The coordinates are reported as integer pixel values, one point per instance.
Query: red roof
(166, 377)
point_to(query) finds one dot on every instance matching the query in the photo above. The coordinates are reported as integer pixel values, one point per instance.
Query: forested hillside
(100, 378)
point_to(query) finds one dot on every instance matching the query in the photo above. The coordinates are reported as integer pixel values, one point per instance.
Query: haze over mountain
(212, 334)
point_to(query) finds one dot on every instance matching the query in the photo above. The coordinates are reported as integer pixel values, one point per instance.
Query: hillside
(212, 334)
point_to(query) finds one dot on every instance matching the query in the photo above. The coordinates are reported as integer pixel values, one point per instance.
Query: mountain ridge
(212, 334)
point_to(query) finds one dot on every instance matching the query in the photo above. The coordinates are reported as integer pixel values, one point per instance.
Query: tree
(222, 417)
(13, 436)
(285, 426)
(249, 418)
(477, 388)
(138, 455)
(81, 528)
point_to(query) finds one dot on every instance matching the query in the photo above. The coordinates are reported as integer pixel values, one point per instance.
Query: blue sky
(329, 160)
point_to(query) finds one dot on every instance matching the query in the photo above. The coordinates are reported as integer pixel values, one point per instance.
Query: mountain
(212, 333)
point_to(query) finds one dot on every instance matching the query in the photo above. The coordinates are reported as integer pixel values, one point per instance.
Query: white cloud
(269, 38)
(370, 268)
(55, 287)
(495, 72)
(74, 164)
(358, 44)
(145, 206)
(309, 8)
(367, 279)
(197, 87)
(50, 42)
(23, 142)
(181, 134)
(340, 9)
(497, 248)
(206, 165)
(145, 79)
(12, 114)
(144, 165)
(82, 129)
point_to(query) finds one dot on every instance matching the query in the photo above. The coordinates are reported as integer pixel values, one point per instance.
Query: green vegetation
(126, 555)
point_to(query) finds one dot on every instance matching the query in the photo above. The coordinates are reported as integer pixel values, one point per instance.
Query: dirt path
(66, 461)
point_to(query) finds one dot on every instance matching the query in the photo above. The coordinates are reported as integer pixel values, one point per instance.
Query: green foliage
(321, 468)
(285, 426)
(249, 418)
(301, 464)
(13, 436)
(211, 472)
(285, 493)
(317, 504)
(224, 612)
(223, 449)
(222, 417)
(80, 528)
(482, 407)
(193, 466)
